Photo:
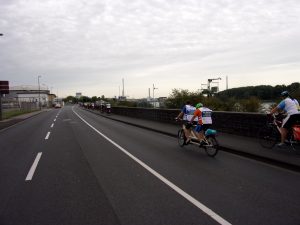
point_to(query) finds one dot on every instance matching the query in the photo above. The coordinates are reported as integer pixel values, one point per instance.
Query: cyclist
(290, 107)
(203, 115)
(186, 114)
(206, 117)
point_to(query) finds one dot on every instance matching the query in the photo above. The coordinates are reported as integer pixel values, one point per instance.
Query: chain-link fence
(23, 104)
(13, 106)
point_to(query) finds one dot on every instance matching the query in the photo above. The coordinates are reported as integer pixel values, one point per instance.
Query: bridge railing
(246, 124)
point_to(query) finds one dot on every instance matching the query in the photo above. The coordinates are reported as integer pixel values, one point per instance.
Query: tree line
(262, 92)
(243, 99)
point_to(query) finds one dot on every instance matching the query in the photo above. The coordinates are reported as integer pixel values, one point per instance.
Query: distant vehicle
(57, 105)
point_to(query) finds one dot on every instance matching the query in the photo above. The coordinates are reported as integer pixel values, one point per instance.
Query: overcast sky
(89, 46)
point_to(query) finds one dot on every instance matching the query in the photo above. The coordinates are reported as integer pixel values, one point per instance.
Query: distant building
(30, 93)
(78, 95)
(122, 98)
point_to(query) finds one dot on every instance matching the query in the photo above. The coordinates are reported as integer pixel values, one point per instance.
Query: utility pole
(123, 91)
(154, 88)
(226, 82)
(39, 92)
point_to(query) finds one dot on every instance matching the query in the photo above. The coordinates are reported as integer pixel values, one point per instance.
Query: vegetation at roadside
(262, 92)
(10, 114)
(179, 97)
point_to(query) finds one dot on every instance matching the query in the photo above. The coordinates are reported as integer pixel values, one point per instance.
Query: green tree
(94, 99)
(250, 105)
(70, 99)
(84, 99)
(179, 97)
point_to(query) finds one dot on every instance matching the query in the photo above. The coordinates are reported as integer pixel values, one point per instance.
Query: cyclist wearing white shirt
(290, 107)
(206, 116)
(186, 112)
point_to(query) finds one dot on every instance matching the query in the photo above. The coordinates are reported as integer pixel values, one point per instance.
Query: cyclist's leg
(199, 132)
(283, 132)
(286, 125)
(187, 133)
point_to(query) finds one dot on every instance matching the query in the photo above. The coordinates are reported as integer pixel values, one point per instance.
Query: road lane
(185, 195)
(234, 187)
(136, 195)
(63, 189)
(19, 146)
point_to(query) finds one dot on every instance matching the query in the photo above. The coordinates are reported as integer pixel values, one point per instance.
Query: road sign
(4, 87)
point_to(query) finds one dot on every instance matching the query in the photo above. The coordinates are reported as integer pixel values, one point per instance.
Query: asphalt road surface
(69, 166)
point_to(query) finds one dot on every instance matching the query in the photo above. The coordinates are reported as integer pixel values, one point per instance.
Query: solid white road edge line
(188, 197)
(33, 167)
(47, 136)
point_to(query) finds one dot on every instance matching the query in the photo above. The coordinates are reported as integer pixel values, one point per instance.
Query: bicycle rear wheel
(181, 138)
(295, 144)
(213, 146)
(268, 136)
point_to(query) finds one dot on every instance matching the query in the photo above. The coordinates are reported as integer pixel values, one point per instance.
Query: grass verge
(10, 114)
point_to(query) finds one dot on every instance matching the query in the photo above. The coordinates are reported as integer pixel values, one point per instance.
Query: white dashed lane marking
(47, 136)
(33, 167)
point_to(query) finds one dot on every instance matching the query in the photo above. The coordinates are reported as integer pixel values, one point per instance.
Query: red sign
(4, 87)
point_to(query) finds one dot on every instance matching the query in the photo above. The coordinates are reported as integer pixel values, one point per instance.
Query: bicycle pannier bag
(296, 132)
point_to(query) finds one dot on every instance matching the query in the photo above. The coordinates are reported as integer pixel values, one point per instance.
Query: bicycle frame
(276, 122)
(193, 135)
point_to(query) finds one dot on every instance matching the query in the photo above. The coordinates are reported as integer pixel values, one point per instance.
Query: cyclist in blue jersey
(290, 106)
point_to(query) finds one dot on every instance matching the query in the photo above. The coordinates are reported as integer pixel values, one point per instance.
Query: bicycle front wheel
(268, 136)
(213, 146)
(181, 138)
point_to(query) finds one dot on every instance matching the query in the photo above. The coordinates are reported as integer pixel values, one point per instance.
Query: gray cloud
(75, 43)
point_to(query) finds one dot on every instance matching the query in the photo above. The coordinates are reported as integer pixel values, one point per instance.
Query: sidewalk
(238, 143)
(16, 119)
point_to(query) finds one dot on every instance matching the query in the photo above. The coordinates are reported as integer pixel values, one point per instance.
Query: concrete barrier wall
(246, 124)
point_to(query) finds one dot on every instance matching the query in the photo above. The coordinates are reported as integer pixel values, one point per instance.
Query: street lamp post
(47, 94)
(153, 96)
(39, 92)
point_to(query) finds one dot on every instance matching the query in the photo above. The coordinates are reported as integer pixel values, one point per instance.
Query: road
(70, 166)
